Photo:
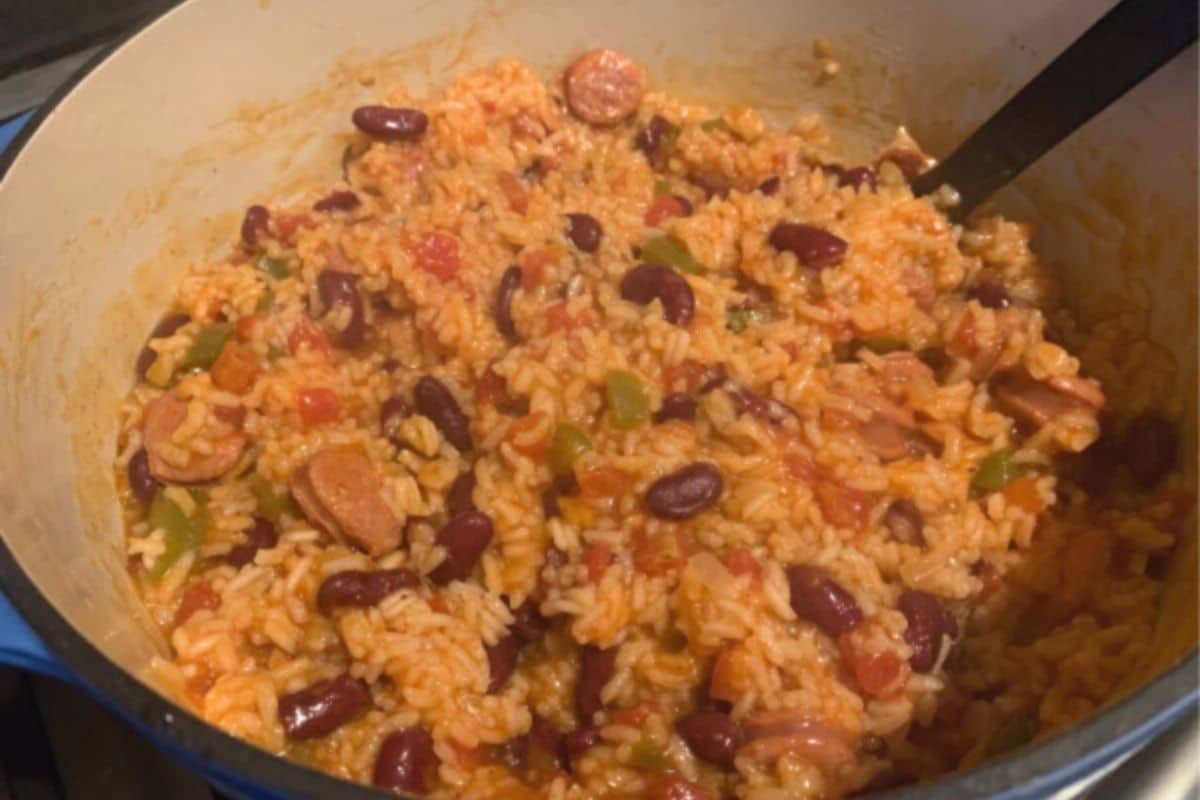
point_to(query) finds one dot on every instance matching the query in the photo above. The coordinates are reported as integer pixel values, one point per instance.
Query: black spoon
(1128, 43)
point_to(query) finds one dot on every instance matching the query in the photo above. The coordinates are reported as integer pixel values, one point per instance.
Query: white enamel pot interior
(143, 164)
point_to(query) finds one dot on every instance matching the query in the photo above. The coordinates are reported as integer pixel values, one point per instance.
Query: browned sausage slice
(604, 87)
(339, 491)
(1020, 396)
(169, 462)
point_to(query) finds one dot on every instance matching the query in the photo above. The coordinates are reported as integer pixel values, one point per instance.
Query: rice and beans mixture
(581, 442)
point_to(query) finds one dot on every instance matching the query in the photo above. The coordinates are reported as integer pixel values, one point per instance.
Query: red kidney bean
(928, 622)
(676, 406)
(390, 124)
(323, 707)
(528, 623)
(461, 495)
(546, 736)
(262, 535)
(873, 745)
(510, 281)
(858, 177)
(712, 736)
(1151, 448)
(340, 288)
(502, 660)
(584, 231)
(905, 522)
(686, 209)
(646, 282)
(990, 294)
(341, 200)
(141, 482)
(563, 486)
(747, 402)
(819, 599)
(580, 740)
(360, 589)
(464, 538)
(432, 399)
(406, 762)
(815, 247)
(391, 414)
(254, 224)
(515, 752)
(596, 668)
(165, 327)
(685, 492)
(654, 140)
(771, 185)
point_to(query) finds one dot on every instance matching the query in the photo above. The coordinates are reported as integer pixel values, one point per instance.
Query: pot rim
(1031, 772)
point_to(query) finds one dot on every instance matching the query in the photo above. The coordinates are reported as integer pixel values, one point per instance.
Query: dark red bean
(1151, 448)
(464, 538)
(391, 414)
(545, 735)
(584, 231)
(510, 281)
(747, 402)
(676, 406)
(461, 495)
(515, 752)
(262, 535)
(815, 247)
(819, 599)
(341, 200)
(905, 522)
(432, 399)
(165, 327)
(528, 623)
(340, 288)
(406, 762)
(872, 744)
(858, 177)
(502, 660)
(647, 282)
(771, 185)
(596, 668)
(685, 492)
(254, 224)
(141, 482)
(686, 209)
(712, 736)
(322, 708)
(390, 124)
(580, 740)
(990, 294)
(359, 589)
(563, 486)
(654, 141)
(928, 622)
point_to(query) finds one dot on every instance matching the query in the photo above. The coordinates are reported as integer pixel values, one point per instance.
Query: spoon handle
(1128, 43)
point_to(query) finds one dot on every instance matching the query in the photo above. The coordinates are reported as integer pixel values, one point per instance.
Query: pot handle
(20, 646)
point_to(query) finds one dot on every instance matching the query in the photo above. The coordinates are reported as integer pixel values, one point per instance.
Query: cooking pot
(140, 166)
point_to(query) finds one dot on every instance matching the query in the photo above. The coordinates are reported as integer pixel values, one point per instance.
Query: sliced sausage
(1031, 401)
(169, 462)
(604, 87)
(891, 441)
(339, 491)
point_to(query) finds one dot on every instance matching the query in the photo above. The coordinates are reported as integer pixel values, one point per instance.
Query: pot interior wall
(143, 170)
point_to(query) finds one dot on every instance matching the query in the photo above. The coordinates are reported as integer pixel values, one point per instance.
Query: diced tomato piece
(559, 319)
(1023, 494)
(596, 559)
(307, 334)
(836, 420)
(671, 786)
(729, 679)
(881, 674)
(634, 716)
(519, 432)
(533, 264)
(317, 405)
(235, 368)
(600, 480)
(800, 467)
(439, 604)
(842, 506)
(489, 388)
(664, 207)
(740, 561)
(437, 254)
(286, 225)
(244, 327)
(660, 554)
(195, 597)
(689, 372)
(514, 191)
